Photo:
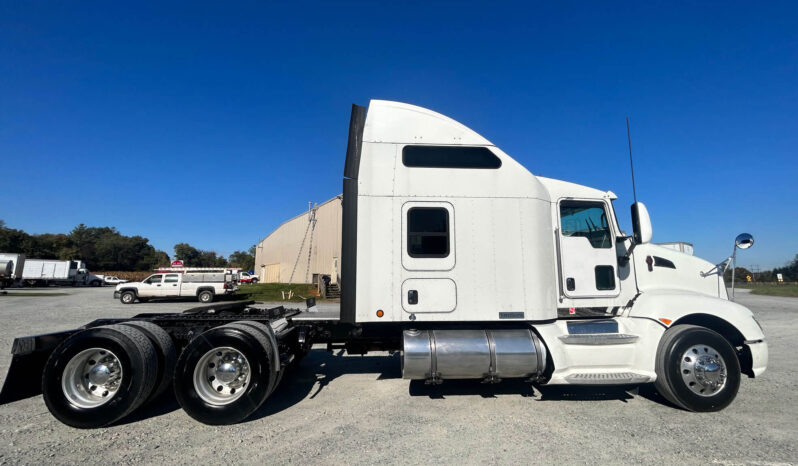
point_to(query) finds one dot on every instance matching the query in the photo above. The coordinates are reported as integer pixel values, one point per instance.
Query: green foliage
(101, 248)
(193, 257)
(776, 290)
(273, 291)
(245, 260)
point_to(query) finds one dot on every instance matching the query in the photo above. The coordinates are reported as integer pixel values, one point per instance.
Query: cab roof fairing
(559, 189)
(396, 124)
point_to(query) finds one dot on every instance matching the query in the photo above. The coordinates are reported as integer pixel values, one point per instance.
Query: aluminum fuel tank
(472, 354)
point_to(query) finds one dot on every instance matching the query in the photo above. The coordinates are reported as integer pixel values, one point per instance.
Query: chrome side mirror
(744, 241)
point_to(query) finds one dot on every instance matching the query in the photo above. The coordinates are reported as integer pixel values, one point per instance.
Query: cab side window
(171, 278)
(155, 279)
(586, 219)
(428, 232)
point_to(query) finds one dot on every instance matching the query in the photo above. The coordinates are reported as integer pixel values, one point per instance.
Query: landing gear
(697, 369)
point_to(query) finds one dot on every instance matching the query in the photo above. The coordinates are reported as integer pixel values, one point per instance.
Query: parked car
(109, 280)
(245, 277)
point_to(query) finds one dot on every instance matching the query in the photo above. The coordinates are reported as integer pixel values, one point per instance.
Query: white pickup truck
(202, 285)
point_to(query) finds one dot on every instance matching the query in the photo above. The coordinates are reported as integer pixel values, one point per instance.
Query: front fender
(668, 307)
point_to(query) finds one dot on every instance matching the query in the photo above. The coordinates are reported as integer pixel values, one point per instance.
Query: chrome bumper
(116, 294)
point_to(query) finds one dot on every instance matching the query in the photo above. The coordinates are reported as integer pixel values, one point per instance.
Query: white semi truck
(45, 272)
(458, 257)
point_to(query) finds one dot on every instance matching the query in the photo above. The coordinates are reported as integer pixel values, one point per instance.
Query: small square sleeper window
(428, 232)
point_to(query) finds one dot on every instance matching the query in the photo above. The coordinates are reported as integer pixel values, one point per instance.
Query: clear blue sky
(212, 122)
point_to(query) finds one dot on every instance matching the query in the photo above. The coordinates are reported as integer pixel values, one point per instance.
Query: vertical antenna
(631, 162)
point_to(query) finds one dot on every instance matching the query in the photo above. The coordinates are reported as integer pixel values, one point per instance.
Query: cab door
(588, 262)
(151, 287)
(171, 285)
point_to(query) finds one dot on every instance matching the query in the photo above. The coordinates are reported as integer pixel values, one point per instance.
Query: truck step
(596, 339)
(614, 378)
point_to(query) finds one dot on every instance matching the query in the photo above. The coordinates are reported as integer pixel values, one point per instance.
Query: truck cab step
(612, 378)
(596, 339)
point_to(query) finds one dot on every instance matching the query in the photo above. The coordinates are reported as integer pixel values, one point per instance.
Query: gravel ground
(355, 409)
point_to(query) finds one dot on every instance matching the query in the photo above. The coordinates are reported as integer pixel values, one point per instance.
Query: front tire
(254, 281)
(98, 376)
(127, 297)
(223, 375)
(697, 369)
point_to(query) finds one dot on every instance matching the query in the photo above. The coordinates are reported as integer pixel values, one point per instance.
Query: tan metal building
(303, 247)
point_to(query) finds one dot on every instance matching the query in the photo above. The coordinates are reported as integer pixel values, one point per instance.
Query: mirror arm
(624, 259)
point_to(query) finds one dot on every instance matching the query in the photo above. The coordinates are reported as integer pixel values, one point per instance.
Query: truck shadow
(320, 368)
(317, 370)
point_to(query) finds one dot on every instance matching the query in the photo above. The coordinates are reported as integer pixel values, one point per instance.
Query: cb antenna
(631, 161)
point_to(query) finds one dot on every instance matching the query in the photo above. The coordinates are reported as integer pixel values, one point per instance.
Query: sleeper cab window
(588, 220)
(428, 232)
(449, 157)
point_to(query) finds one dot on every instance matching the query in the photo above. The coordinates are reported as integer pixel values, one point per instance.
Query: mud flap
(27, 364)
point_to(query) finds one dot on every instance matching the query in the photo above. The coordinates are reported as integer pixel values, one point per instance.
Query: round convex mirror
(744, 241)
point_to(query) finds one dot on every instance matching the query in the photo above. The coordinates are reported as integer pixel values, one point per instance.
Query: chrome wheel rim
(703, 370)
(221, 376)
(91, 378)
(127, 297)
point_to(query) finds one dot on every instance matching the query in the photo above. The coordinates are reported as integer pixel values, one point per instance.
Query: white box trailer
(45, 272)
(454, 255)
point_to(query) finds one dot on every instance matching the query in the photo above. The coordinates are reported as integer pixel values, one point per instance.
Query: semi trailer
(454, 255)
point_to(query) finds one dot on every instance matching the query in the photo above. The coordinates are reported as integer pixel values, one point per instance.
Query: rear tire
(127, 297)
(242, 365)
(166, 353)
(697, 369)
(254, 281)
(205, 296)
(98, 376)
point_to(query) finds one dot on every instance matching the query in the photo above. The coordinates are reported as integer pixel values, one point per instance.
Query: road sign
(177, 263)
(779, 277)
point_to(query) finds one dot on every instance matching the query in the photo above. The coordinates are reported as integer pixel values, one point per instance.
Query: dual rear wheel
(100, 375)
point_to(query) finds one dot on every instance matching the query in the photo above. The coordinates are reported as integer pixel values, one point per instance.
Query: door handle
(570, 283)
(412, 297)
(158, 285)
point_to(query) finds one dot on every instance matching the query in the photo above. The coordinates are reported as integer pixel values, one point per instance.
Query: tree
(193, 257)
(188, 254)
(101, 248)
(245, 260)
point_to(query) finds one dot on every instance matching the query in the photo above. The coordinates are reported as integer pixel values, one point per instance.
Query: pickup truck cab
(204, 286)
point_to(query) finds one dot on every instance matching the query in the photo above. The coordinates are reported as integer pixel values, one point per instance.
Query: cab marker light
(665, 321)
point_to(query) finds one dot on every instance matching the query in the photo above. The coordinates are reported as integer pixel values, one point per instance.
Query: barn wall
(276, 256)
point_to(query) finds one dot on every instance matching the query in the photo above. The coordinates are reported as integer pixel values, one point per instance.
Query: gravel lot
(356, 409)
